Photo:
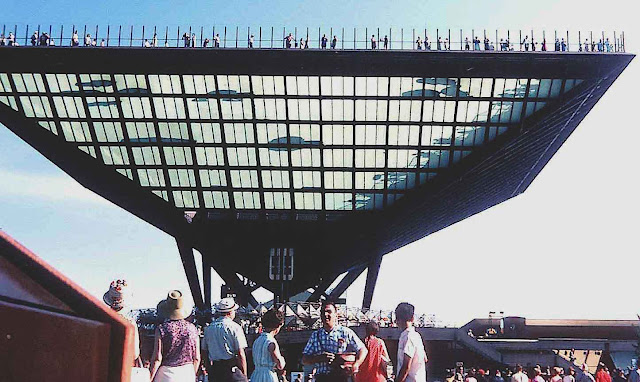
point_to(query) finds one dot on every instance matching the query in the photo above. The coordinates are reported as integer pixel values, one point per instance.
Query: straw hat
(226, 305)
(116, 296)
(173, 307)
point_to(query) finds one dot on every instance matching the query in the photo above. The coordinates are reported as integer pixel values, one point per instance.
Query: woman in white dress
(267, 359)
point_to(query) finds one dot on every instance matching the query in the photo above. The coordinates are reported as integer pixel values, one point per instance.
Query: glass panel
(337, 110)
(275, 179)
(277, 200)
(338, 158)
(370, 158)
(335, 201)
(556, 85)
(337, 134)
(370, 134)
(338, 180)
(308, 200)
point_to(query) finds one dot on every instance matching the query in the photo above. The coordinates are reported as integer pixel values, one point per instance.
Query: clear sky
(566, 248)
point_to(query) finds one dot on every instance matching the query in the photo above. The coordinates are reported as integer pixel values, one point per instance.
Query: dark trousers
(226, 371)
(333, 377)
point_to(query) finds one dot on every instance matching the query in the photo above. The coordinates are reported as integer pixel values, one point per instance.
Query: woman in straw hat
(176, 349)
(266, 352)
(116, 297)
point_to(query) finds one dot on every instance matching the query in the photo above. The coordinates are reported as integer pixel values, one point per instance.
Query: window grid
(394, 153)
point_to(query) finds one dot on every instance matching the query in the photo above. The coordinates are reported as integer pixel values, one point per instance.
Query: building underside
(343, 156)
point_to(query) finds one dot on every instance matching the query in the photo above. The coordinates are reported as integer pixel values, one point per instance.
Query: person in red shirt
(374, 367)
(602, 374)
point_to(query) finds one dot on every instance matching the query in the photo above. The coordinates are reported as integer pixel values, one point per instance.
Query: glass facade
(236, 142)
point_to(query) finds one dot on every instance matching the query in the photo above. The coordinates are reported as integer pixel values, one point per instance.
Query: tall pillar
(372, 279)
(189, 264)
(206, 281)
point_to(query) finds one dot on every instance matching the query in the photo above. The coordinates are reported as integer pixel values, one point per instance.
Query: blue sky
(564, 247)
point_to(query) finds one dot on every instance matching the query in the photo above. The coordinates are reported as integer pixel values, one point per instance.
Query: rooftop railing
(320, 38)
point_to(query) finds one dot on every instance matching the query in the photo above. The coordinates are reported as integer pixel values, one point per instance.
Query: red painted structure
(51, 329)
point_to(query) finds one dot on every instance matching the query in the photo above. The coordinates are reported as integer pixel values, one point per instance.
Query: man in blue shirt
(331, 340)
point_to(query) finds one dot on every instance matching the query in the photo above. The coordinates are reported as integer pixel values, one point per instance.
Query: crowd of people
(540, 374)
(190, 40)
(183, 353)
(336, 353)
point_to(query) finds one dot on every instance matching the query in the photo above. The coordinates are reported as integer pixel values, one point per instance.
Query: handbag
(140, 373)
(343, 363)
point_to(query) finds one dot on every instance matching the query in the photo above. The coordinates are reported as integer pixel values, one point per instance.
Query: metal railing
(307, 38)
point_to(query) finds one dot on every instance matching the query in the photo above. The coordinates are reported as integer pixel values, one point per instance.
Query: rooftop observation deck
(315, 38)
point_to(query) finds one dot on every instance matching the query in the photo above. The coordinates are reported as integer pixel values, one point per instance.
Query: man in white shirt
(570, 376)
(411, 354)
(519, 375)
(224, 343)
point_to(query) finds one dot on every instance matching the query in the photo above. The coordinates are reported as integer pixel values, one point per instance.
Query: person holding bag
(117, 298)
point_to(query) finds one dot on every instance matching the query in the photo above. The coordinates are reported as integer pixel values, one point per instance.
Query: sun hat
(117, 294)
(173, 307)
(226, 305)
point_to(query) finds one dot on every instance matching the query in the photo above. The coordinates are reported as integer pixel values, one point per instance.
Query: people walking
(176, 343)
(419, 43)
(117, 298)
(374, 366)
(586, 376)
(466, 43)
(288, 40)
(476, 43)
(251, 38)
(519, 375)
(216, 40)
(602, 374)
(267, 359)
(323, 41)
(328, 345)
(44, 39)
(34, 38)
(634, 375)
(224, 344)
(373, 42)
(411, 354)
(385, 42)
(570, 375)
(87, 40)
(334, 42)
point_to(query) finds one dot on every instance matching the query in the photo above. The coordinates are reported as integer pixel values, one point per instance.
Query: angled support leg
(189, 264)
(206, 281)
(244, 291)
(321, 289)
(348, 279)
(372, 279)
